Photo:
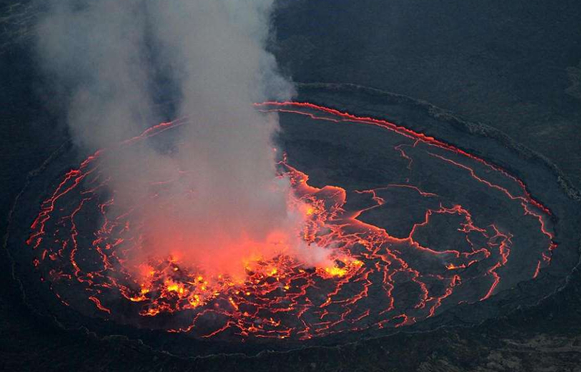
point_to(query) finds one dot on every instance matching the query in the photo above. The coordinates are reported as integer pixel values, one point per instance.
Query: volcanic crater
(432, 221)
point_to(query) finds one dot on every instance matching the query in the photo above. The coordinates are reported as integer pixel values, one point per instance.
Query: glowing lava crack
(444, 253)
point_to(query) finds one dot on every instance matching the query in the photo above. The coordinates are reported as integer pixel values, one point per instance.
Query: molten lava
(371, 279)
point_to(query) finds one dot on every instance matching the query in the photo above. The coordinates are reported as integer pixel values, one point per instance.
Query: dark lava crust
(544, 181)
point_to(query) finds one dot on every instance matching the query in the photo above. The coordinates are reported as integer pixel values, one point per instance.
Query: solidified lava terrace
(440, 228)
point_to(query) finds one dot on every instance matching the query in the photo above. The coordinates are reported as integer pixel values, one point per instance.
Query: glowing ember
(374, 279)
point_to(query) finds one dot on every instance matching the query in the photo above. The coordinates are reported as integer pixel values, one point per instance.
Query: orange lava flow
(375, 280)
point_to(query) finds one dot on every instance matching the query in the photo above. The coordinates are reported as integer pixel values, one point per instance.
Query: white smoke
(228, 205)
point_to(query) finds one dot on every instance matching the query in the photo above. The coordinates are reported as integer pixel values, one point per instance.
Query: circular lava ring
(426, 232)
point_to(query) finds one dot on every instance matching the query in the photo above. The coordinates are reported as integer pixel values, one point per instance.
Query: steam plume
(228, 205)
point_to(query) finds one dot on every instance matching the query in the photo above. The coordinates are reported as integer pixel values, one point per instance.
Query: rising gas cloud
(115, 61)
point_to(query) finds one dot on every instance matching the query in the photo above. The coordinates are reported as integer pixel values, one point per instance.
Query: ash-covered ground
(541, 336)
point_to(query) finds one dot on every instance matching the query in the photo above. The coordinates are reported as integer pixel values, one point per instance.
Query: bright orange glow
(334, 274)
